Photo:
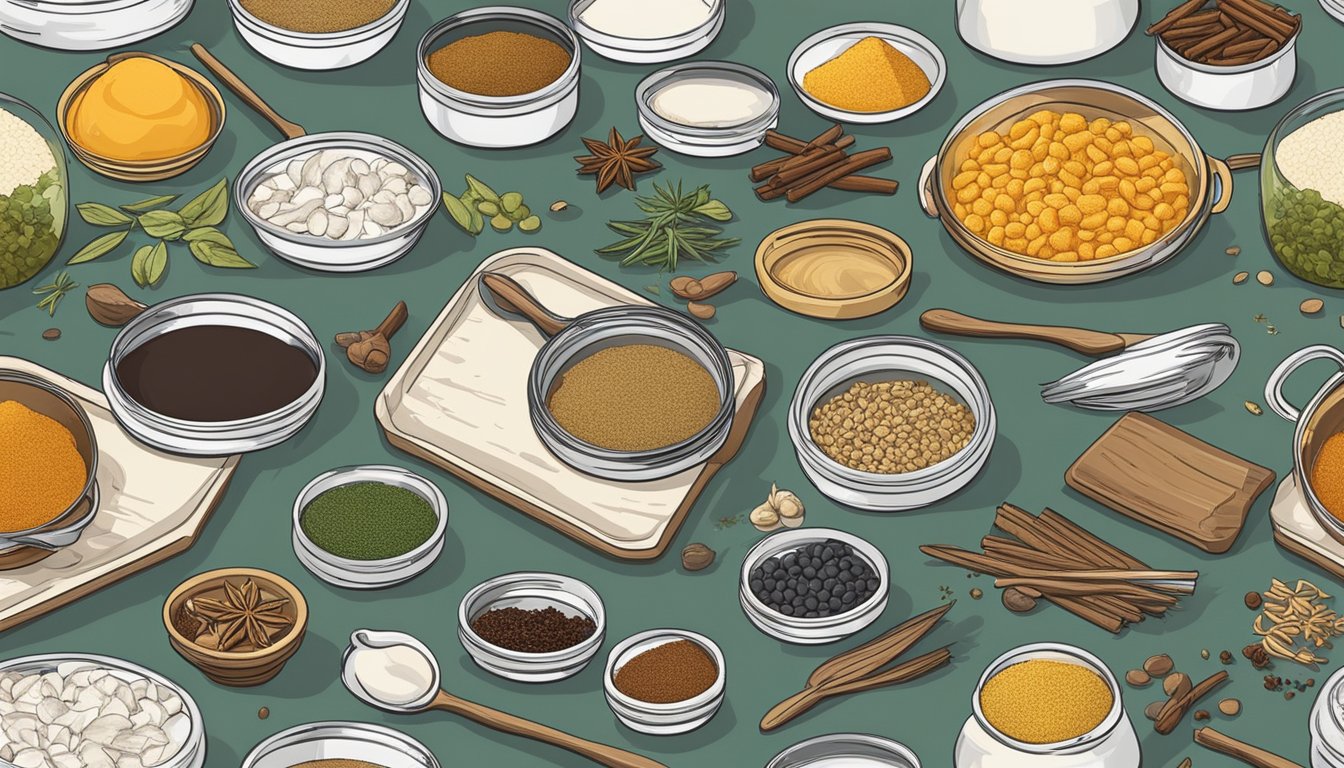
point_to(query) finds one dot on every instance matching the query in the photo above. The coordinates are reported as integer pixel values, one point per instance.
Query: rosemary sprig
(678, 225)
(53, 292)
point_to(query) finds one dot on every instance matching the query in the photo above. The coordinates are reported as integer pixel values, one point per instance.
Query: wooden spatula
(1094, 343)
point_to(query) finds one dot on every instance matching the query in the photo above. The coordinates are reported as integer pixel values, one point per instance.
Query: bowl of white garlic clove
(338, 202)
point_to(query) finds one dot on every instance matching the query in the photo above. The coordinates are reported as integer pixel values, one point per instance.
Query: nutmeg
(697, 557)
(109, 305)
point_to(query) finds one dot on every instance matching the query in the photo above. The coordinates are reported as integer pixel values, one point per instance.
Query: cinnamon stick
(771, 167)
(1240, 750)
(1269, 26)
(1237, 50)
(1118, 556)
(1212, 43)
(802, 166)
(1174, 710)
(1262, 11)
(1049, 586)
(1176, 14)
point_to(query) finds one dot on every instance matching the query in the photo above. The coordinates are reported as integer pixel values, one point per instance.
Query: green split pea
(368, 521)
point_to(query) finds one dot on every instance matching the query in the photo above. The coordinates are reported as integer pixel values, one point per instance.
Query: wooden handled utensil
(1240, 750)
(1087, 342)
(249, 97)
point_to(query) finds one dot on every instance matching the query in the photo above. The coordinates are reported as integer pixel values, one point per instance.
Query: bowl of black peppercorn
(810, 586)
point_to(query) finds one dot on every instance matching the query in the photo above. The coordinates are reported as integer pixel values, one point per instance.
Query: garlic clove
(419, 195)
(334, 176)
(294, 172)
(310, 175)
(352, 196)
(307, 193)
(359, 166)
(791, 522)
(403, 204)
(355, 226)
(337, 226)
(386, 214)
(396, 185)
(788, 505)
(765, 518)
(317, 222)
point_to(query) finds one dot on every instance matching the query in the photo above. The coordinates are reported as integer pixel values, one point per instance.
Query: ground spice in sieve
(667, 673)
(543, 630)
(499, 63)
(318, 16)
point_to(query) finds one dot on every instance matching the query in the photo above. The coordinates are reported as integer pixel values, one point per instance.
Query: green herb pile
(53, 292)
(368, 521)
(31, 223)
(1307, 233)
(679, 225)
(480, 204)
(195, 223)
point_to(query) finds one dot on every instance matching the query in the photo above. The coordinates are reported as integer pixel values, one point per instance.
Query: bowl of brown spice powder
(532, 627)
(665, 681)
(328, 35)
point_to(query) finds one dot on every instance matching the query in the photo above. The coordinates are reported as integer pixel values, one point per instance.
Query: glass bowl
(1305, 231)
(42, 203)
(532, 591)
(340, 741)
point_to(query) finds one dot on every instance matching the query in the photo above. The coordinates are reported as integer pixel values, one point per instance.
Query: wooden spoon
(243, 91)
(1094, 343)
(506, 294)
(1240, 750)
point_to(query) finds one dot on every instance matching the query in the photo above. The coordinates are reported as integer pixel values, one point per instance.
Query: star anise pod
(242, 616)
(617, 160)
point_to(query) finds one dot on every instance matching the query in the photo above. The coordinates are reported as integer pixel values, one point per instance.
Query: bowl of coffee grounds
(316, 36)
(214, 374)
(532, 627)
(665, 681)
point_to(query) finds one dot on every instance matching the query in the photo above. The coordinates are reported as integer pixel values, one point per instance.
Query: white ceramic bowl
(369, 574)
(876, 358)
(498, 122)
(192, 753)
(1249, 86)
(81, 25)
(824, 629)
(217, 438)
(840, 749)
(321, 253)
(701, 141)
(663, 719)
(1335, 8)
(531, 591)
(1011, 30)
(648, 50)
(340, 741)
(831, 42)
(314, 51)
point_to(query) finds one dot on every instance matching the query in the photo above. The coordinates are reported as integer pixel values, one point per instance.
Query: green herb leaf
(165, 225)
(216, 250)
(100, 246)
(209, 208)
(148, 263)
(715, 210)
(679, 226)
(208, 234)
(460, 213)
(53, 292)
(480, 190)
(148, 204)
(100, 215)
(138, 262)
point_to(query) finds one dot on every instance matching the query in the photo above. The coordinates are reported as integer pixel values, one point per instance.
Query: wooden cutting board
(1163, 477)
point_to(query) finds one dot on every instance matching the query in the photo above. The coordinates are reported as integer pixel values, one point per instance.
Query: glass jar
(1305, 230)
(1112, 744)
(34, 199)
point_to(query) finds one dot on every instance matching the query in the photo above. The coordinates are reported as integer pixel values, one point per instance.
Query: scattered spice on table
(781, 509)
(499, 63)
(1041, 701)
(1311, 306)
(321, 17)
(825, 578)
(263, 713)
(1295, 622)
(54, 292)
(1230, 707)
(1257, 655)
(697, 556)
(635, 397)
(480, 204)
(538, 630)
(1227, 33)
(1058, 187)
(371, 350)
(700, 289)
(109, 305)
(240, 616)
(616, 161)
(1264, 277)
(871, 75)
(41, 468)
(368, 521)
(1240, 278)
(677, 225)
(727, 521)
(814, 165)
(977, 593)
(51, 334)
(140, 109)
(667, 673)
(1234, 250)
(31, 200)
(1253, 600)
(891, 427)
(1183, 700)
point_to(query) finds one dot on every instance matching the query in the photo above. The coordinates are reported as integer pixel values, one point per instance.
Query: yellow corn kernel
(1127, 165)
(1000, 182)
(1035, 245)
(1014, 188)
(1061, 240)
(1116, 224)
(1014, 230)
(1094, 221)
(1077, 142)
(988, 139)
(1072, 122)
(974, 223)
(1033, 185)
(1065, 256)
(1148, 161)
(1048, 221)
(981, 207)
(1134, 229)
(1015, 244)
(968, 194)
(1090, 204)
(1145, 184)
(1070, 179)
(1099, 126)
(1105, 250)
(1073, 193)
(998, 218)
(1086, 251)
(1033, 231)
(1149, 235)
(1117, 207)
(1086, 235)
(1123, 244)
(1059, 151)
(995, 235)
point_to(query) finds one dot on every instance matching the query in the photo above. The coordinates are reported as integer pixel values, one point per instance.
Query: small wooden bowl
(834, 269)
(232, 668)
(141, 170)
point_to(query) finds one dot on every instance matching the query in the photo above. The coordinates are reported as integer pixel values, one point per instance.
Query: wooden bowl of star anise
(237, 625)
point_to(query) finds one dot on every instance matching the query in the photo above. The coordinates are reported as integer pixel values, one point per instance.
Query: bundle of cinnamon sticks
(813, 165)
(1227, 33)
(1055, 559)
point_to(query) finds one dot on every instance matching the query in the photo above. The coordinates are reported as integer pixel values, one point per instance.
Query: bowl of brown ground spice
(665, 681)
(532, 627)
(499, 76)
(329, 35)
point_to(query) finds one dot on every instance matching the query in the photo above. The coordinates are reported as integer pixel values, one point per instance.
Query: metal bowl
(20, 548)
(846, 749)
(89, 26)
(700, 141)
(313, 51)
(663, 719)
(219, 438)
(617, 326)
(340, 741)
(833, 41)
(648, 50)
(321, 253)
(531, 591)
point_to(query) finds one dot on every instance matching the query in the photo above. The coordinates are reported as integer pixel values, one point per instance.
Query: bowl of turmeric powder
(1318, 437)
(48, 464)
(867, 72)
(139, 117)
(1073, 181)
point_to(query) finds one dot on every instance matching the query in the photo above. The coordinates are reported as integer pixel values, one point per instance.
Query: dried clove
(109, 305)
(371, 350)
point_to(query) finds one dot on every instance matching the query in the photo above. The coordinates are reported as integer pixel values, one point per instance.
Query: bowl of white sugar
(708, 108)
(641, 32)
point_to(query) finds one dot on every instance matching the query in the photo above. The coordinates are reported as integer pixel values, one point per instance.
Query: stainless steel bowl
(321, 253)
(340, 741)
(663, 719)
(648, 50)
(700, 141)
(532, 591)
(316, 51)
(89, 26)
(846, 749)
(197, 438)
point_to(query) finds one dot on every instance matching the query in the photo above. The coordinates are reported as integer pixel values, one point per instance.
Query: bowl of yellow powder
(138, 117)
(48, 460)
(867, 72)
(303, 34)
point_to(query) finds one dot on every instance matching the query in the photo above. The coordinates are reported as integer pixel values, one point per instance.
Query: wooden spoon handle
(513, 297)
(502, 721)
(1077, 339)
(245, 92)
(1246, 753)
(394, 320)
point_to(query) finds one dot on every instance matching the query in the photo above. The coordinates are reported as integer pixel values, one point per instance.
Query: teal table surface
(1035, 444)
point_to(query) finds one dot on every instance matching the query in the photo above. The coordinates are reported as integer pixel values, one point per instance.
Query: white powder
(398, 675)
(646, 19)
(24, 154)
(707, 102)
(1312, 157)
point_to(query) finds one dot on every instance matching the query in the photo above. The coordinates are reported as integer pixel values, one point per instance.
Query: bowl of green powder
(369, 527)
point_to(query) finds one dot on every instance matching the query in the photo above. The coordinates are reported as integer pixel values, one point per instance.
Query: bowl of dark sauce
(214, 374)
